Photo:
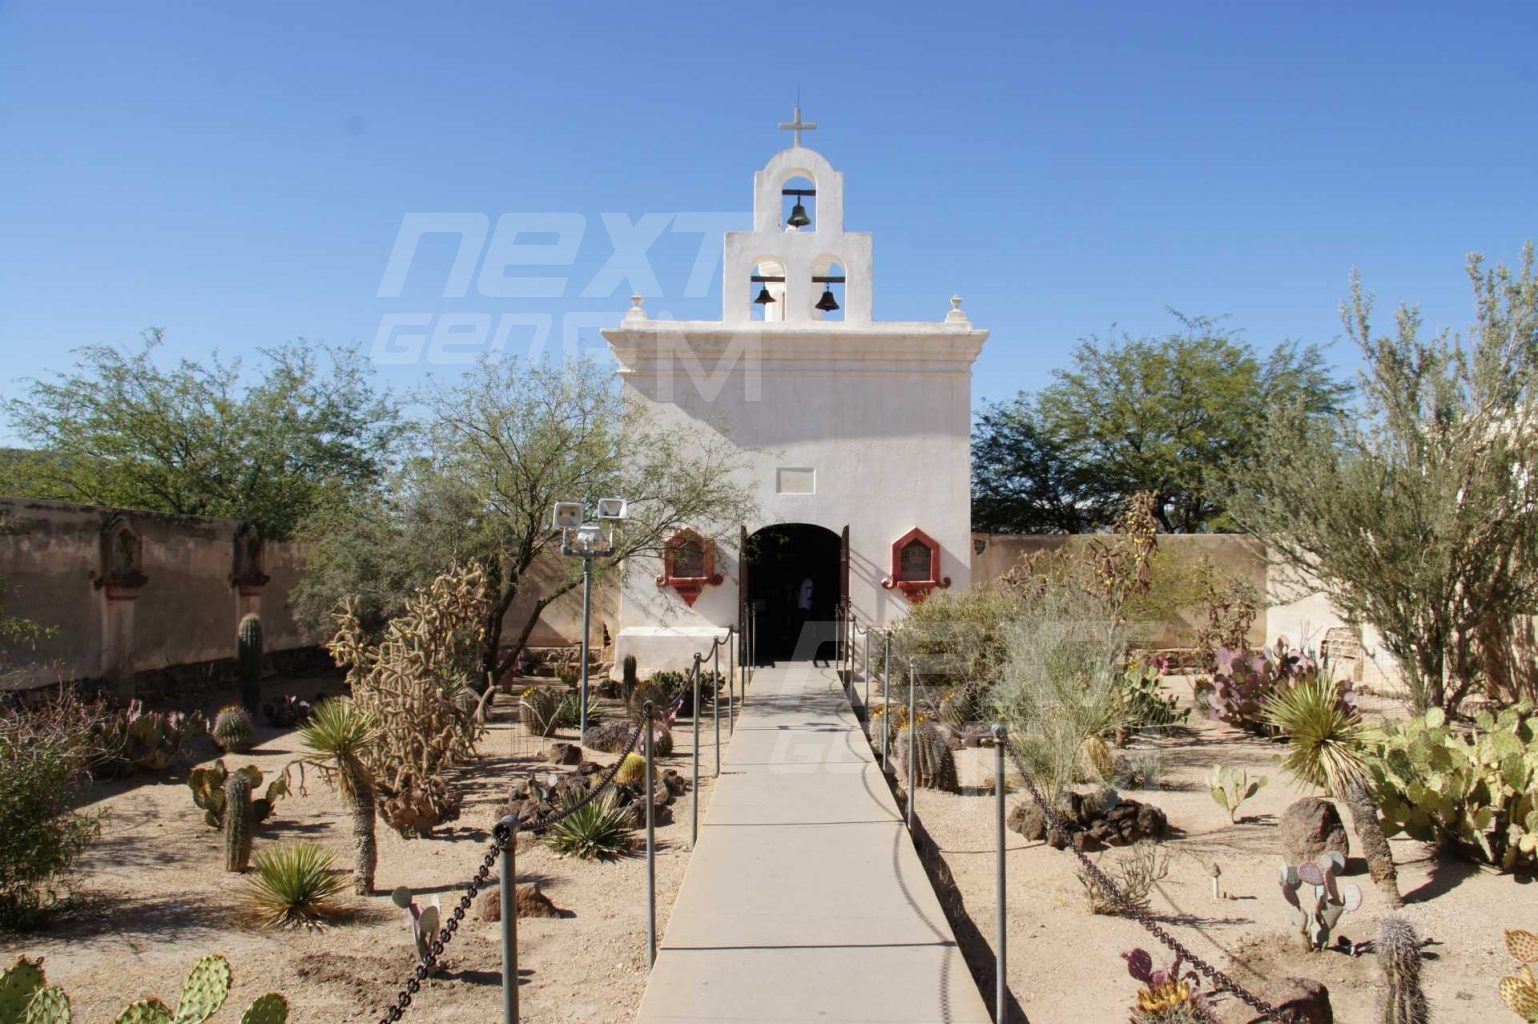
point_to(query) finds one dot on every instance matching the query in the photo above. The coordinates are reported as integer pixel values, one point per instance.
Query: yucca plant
(339, 733)
(1327, 748)
(293, 884)
(600, 830)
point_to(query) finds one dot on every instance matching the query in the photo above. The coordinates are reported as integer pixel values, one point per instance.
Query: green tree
(1163, 415)
(1419, 511)
(194, 439)
(505, 443)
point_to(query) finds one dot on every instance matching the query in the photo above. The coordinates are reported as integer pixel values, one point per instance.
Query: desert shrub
(293, 883)
(1136, 871)
(44, 753)
(1140, 769)
(956, 640)
(1059, 686)
(1474, 793)
(599, 830)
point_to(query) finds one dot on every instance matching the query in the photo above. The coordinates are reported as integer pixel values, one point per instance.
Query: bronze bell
(764, 298)
(827, 303)
(798, 217)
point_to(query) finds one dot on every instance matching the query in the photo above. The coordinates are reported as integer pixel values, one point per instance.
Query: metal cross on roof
(797, 126)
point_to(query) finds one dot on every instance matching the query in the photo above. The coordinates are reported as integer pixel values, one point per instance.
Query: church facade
(854, 435)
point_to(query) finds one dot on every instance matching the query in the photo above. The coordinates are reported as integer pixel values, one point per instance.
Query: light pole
(587, 541)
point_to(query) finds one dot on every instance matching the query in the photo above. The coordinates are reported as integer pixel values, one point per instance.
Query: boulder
(565, 753)
(528, 900)
(1301, 1000)
(1309, 827)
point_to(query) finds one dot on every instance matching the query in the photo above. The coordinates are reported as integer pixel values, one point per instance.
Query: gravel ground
(1063, 962)
(152, 897)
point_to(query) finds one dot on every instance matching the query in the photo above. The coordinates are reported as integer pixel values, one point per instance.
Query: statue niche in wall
(121, 565)
(246, 572)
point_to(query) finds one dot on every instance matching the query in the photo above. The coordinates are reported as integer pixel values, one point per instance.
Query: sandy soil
(1063, 963)
(153, 897)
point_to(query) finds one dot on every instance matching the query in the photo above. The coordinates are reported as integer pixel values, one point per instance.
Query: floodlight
(613, 508)
(589, 537)
(568, 515)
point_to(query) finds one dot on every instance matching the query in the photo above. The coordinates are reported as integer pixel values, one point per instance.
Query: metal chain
(504, 834)
(1141, 916)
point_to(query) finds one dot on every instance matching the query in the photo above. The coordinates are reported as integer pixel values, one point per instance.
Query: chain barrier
(1218, 978)
(503, 834)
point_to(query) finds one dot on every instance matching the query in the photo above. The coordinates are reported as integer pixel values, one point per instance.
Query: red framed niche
(916, 566)
(688, 565)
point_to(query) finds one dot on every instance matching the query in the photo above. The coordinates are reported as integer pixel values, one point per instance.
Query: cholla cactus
(1520, 991)
(1399, 957)
(1317, 900)
(1167, 996)
(25, 995)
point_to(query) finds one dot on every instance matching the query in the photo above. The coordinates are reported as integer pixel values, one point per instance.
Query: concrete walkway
(804, 900)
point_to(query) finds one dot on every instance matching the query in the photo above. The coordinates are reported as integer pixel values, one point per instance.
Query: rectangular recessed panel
(797, 481)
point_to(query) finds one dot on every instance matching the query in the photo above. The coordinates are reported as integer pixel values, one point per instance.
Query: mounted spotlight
(798, 217)
(612, 508)
(827, 303)
(568, 515)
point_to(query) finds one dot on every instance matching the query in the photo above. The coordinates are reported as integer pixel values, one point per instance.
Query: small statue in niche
(122, 557)
(246, 572)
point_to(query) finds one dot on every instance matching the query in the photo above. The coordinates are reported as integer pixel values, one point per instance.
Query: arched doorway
(794, 585)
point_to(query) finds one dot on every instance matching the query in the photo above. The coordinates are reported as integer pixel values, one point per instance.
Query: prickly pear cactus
(234, 730)
(1316, 900)
(145, 1011)
(423, 920)
(205, 990)
(20, 982)
(1231, 787)
(1520, 991)
(48, 1006)
(269, 1009)
(936, 765)
(248, 647)
(239, 822)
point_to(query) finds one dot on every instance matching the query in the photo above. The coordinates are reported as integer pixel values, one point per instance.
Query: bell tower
(790, 267)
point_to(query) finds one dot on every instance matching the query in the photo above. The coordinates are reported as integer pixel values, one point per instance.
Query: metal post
(865, 673)
(651, 850)
(715, 701)
(1001, 987)
(886, 704)
(913, 737)
(509, 923)
(587, 616)
(694, 815)
(732, 656)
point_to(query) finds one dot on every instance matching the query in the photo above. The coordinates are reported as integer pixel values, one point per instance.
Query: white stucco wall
(880, 413)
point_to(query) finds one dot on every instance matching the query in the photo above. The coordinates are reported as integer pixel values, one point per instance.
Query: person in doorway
(804, 597)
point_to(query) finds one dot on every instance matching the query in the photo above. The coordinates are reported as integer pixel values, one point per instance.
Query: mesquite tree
(1418, 512)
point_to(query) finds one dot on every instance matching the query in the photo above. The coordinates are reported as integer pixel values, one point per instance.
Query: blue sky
(239, 176)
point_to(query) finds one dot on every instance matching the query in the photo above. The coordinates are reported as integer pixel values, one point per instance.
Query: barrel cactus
(936, 765)
(632, 771)
(234, 730)
(537, 708)
(239, 822)
(248, 646)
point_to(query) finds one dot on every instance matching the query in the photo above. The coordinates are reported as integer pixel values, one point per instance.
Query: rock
(1305, 1000)
(1094, 820)
(674, 782)
(587, 767)
(565, 753)
(529, 901)
(1026, 818)
(1309, 827)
